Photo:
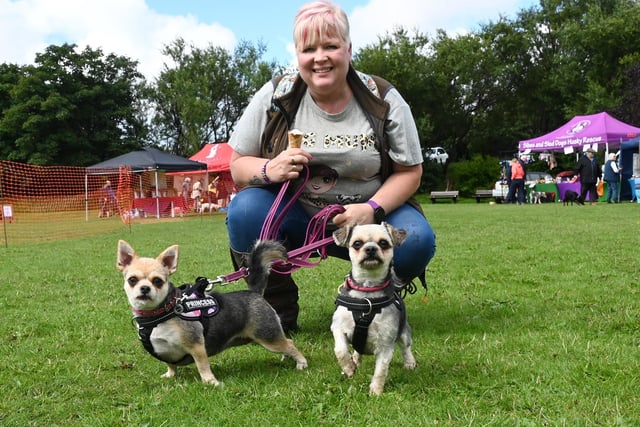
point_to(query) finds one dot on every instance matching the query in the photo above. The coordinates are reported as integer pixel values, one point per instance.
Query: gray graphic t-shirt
(346, 165)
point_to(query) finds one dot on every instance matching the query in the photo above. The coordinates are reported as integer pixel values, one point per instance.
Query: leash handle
(314, 242)
(318, 224)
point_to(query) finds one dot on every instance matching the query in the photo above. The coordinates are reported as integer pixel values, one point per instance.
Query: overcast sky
(139, 29)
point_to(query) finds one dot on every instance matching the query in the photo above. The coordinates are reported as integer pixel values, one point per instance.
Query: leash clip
(220, 280)
(179, 307)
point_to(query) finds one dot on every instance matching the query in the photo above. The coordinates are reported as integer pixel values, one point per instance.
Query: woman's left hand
(356, 213)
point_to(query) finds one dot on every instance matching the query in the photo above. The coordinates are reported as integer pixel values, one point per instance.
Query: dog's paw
(409, 360)
(301, 362)
(171, 372)
(349, 369)
(212, 381)
(356, 357)
(409, 364)
(375, 389)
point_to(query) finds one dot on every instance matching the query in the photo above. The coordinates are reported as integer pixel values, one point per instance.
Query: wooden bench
(453, 195)
(483, 194)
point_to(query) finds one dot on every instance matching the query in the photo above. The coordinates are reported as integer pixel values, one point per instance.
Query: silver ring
(370, 306)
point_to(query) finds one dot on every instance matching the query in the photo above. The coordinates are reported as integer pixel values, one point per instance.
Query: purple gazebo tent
(597, 131)
(583, 132)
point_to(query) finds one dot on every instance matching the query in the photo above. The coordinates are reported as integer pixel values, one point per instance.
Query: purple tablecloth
(575, 186)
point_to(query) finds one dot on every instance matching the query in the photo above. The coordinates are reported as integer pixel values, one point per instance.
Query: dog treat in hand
(295, 138)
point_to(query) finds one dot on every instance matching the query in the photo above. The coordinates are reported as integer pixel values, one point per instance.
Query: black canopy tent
(147, 160)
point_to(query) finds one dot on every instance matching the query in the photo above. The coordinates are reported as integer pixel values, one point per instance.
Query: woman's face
(324, 65)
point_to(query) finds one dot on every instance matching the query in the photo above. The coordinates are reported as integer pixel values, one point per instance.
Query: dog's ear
(125, 255)
(397, 234)
(342, 235)
(169, 258)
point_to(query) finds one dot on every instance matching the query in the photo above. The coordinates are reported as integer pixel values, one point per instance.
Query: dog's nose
(145, 290)
(370, 250)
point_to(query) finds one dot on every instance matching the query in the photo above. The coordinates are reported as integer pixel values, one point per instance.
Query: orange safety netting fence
(59, 202)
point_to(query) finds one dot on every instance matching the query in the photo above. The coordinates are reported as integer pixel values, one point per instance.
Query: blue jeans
(249, 208)
(516, 186)
(612, 191)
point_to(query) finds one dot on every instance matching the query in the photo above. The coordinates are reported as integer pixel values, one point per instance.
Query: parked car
(437, 154)
(501, 188)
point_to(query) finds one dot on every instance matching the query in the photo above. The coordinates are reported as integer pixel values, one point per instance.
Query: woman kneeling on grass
(360, 144)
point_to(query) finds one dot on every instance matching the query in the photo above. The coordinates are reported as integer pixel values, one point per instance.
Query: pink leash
(270, 228)
(315, 242)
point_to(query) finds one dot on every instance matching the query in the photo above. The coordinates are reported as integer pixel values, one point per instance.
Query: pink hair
(318, 21)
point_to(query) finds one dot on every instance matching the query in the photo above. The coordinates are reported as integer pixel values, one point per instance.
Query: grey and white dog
(370, 315)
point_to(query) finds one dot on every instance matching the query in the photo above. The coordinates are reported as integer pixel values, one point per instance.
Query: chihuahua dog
(370, 315)
(179, 330)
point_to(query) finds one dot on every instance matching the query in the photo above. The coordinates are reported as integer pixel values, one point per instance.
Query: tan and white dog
(179, 328)
(370, 314)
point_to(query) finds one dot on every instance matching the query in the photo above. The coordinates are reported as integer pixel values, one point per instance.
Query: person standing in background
(186, 191)
(196, 194)
(108, 201)
(612, 178)
(516, 188)
(212, 190)
(590, 172)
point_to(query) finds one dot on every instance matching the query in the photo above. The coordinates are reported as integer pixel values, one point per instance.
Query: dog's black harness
(187, 302)
(365, 309)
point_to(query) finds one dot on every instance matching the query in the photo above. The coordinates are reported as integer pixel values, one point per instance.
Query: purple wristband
(373, 204)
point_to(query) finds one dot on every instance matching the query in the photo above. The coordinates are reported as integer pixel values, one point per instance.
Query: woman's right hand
(287, 165)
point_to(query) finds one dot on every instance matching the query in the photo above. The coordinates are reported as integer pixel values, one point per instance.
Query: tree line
(475, 94)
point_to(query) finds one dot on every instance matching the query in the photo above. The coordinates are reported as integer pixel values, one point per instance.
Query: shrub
(469, 175)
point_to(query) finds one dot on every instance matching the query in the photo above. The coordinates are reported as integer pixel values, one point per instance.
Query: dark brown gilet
(281, 114)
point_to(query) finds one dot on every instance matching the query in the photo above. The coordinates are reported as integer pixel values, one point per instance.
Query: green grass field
(532, 318)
